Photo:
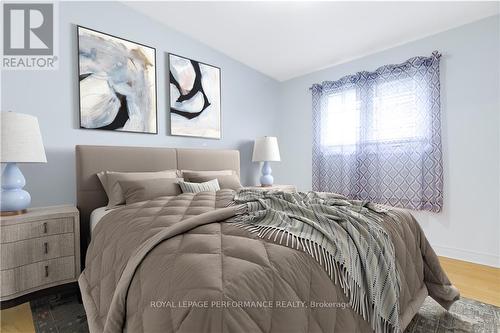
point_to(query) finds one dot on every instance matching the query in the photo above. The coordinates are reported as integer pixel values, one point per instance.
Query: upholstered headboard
(92, 159)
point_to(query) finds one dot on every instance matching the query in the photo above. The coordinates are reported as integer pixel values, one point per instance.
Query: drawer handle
(44, 227)
(46, 248)
(46, 271)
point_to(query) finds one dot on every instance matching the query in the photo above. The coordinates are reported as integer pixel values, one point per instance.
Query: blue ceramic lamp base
(14, 199)
(266, 179)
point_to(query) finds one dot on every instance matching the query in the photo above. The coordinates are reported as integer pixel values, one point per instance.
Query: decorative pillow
(102, 178)
(210, 186)
(147, 189)
(187, 174)
(111, 179)
(230, 181)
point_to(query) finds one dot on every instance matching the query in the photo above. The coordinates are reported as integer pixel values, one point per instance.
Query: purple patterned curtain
(377, 135)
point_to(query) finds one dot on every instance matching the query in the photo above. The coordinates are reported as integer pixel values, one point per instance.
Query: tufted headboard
(92, 159)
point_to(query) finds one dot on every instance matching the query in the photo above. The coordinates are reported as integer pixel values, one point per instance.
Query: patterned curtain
(377, 135)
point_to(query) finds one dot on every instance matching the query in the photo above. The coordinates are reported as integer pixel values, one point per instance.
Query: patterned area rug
(63, 314)
(60, 313)
(465, 315)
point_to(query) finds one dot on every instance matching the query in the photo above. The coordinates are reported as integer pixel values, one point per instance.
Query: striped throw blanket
(344, 236)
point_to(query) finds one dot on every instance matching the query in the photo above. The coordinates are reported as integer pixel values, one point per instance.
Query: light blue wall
(469, 226)
(254, 105)
(52, 96)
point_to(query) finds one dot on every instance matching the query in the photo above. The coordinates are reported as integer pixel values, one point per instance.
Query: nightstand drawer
(36, 249)
(37, 274)
(39, 249)
(16, 232)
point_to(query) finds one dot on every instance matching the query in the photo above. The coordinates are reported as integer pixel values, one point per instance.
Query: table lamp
(21, 143)
(266, 150)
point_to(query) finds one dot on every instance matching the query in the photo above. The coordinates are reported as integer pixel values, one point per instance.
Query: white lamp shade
(21, 138)
(266, 149)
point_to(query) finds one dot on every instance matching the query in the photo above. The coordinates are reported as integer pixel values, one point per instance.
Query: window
(395, 112)
(392, 116)
(377, 135)
(342, 119)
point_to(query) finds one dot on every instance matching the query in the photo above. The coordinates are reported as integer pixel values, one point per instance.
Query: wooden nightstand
(39, 249)
(274, 187)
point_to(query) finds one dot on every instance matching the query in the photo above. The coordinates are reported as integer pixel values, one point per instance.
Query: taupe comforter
(171, 265)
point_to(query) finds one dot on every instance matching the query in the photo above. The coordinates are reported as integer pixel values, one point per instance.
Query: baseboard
(468, 255)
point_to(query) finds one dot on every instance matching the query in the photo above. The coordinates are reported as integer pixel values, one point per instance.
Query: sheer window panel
(341, 125)
(377, 135)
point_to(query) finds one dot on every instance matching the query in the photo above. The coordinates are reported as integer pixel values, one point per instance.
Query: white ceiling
(287, 39)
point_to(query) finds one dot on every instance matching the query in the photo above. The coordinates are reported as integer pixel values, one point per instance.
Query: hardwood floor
(17, 319)
(474, 281)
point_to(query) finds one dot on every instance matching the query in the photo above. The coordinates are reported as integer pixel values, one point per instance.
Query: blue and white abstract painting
(194, 98)
(117, 83)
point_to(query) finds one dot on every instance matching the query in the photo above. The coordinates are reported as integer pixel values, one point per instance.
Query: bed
(212, 261)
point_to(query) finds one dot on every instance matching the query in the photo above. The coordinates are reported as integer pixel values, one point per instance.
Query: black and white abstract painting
(194, 98)
(117, 83)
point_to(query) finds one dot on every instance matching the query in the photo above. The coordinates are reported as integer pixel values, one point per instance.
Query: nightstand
(39, 249)
(274, 187)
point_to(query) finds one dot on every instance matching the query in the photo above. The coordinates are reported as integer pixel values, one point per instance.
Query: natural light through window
(391, 116)
(342, 119)
(395, 116)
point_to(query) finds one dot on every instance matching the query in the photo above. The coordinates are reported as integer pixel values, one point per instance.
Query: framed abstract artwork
(195, 98)
(117, 81)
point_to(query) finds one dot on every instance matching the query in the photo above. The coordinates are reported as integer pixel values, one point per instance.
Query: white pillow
(210, 186)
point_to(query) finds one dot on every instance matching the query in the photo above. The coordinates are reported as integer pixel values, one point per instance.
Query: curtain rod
(436, 54)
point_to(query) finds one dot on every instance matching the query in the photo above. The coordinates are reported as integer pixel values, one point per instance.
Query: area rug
(465, 315)
(59, 313)
(63, 313)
